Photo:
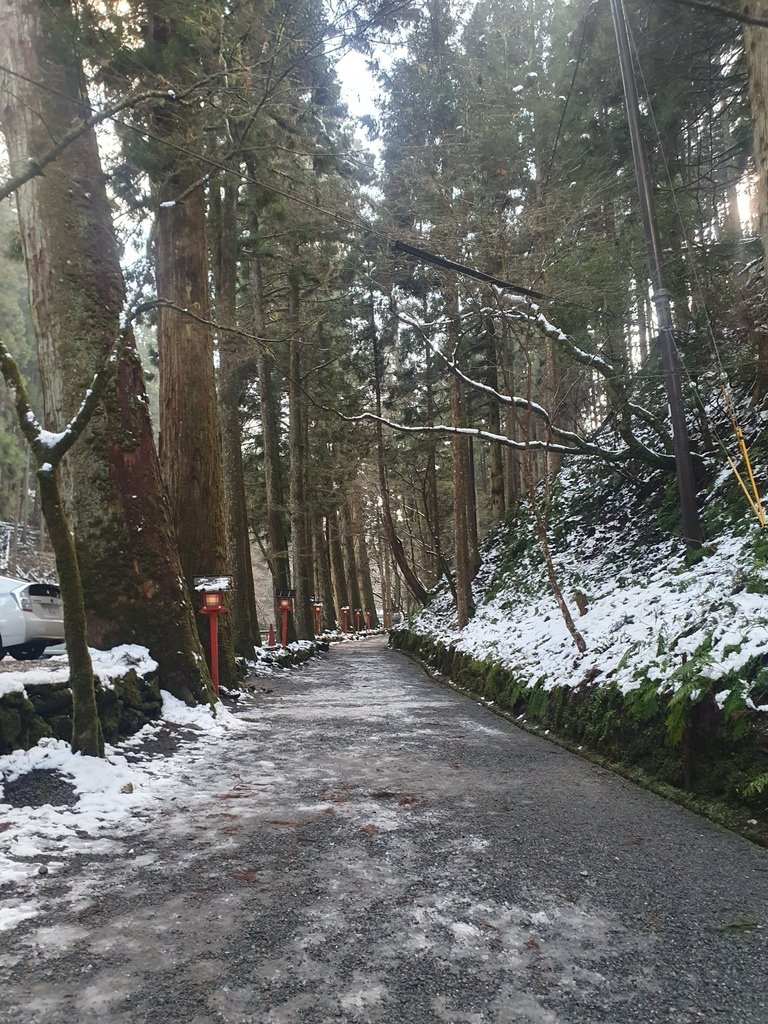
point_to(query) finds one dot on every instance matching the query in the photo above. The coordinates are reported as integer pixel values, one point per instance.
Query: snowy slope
(649, 615)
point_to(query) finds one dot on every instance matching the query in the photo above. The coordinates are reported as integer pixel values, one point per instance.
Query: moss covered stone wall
(45, 709)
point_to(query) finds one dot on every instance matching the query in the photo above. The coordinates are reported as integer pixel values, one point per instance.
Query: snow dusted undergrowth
(649, 616)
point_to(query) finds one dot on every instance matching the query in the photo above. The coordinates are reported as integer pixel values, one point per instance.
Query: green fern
(756, 786)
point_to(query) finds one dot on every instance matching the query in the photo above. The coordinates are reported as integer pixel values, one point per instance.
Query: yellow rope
(755, 502)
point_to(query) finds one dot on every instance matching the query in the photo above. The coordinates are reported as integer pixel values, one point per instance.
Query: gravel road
(375, 848)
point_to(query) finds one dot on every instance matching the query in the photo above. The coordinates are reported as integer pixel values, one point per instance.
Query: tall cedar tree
(125, 542)
(179, 43)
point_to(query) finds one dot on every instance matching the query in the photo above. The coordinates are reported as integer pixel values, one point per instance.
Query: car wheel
(27, 652)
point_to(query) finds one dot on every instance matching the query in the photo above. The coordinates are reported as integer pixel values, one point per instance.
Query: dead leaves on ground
(246, 875)
(401, 799)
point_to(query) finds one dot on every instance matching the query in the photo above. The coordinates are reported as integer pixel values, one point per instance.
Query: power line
(570, 90)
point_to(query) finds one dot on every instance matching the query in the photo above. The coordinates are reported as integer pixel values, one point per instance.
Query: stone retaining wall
(45, 709)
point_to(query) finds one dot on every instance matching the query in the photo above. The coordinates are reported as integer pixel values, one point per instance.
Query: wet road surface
(376, 848)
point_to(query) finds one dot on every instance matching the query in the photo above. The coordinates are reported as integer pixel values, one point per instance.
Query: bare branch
(487, 435)
(151, 304)
(723, 12)
(30, 428)
(37, 165)
(576, 443)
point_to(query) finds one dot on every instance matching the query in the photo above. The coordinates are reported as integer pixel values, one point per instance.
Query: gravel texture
(40, 787)
(378, 849)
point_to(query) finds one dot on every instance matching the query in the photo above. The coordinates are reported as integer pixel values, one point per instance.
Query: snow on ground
(648, 614)
(107, 665)
(112, 795)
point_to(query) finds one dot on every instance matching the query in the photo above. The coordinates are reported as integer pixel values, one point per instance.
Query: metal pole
(214, 618)
(686, 482)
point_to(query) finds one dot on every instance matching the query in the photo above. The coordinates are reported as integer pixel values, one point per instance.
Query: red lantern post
(212, 590)
(285, 605)
(358, 613)
(317, 612)
(345, 619)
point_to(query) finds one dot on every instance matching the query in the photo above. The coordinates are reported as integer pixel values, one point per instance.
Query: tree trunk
(190, 447)
(301, 557)
(364, 566)
(274, 487)
(431, 505)
(464, 605)
(112, 487)
(338, 572)
(353, 572)
(322, 561)
(473, 538)
(86, 727)
(245, 622)
(465, 545)
(496, 455)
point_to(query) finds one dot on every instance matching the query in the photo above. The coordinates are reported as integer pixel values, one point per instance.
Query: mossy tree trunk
(86, 728)
(178, 47)
(111, 483)
(190, 448)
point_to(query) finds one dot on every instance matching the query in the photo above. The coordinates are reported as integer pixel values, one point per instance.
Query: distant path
(381, 850)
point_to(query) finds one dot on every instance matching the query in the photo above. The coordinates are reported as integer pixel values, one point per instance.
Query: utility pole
(686, 483)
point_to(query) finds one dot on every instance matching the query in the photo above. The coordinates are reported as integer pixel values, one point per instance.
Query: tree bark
(245, 621)
(364, 565)
(464, 603)
(269, 403)
(323, 564)
(190, 447)
(87, 737)
(338, 572)
(496, 455)
(301, 557)
(353, 571)
(473, 537)
(112, 487)
(431, 504)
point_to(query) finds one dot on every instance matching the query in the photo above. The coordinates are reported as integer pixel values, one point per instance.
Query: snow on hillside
(649, 616)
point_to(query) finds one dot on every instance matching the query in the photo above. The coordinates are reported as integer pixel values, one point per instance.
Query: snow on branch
(49, 447)
(575, 443)
(486, 435)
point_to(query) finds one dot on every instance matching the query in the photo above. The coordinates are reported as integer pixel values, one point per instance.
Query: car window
(43, 590)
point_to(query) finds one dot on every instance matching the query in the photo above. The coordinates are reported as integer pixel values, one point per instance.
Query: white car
(31, 617)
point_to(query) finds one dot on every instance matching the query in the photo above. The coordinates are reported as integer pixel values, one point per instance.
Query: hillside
(674, 678)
